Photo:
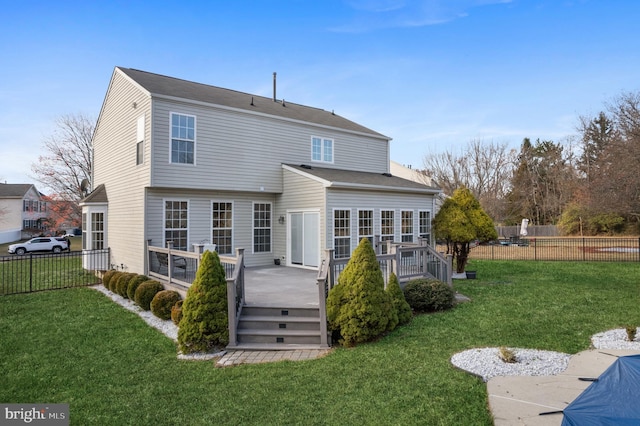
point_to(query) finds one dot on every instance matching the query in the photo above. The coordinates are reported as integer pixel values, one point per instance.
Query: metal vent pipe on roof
(274, 86)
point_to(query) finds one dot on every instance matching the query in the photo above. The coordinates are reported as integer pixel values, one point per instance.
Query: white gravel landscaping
(167, 327)
(485, 362)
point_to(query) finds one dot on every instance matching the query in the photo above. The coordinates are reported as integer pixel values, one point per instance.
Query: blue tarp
(614, 399)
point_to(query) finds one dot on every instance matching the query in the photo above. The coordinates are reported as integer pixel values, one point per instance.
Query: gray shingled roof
(355, 179)
(162, 85)
(14, 190)
(98, 195)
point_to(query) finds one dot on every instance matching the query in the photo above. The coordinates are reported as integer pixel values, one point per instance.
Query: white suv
(39, 244)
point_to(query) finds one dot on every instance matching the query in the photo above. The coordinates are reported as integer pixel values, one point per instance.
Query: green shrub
(133, 285)
(358, 308)
(400, 304)
(205, 323)
(428, 295)
(114, 280)
(162, 303)
(123, 283)
(107, 277)
(146, 292)
(176, 312)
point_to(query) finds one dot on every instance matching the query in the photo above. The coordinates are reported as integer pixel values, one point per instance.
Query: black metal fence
(587, 249)
(47, 271)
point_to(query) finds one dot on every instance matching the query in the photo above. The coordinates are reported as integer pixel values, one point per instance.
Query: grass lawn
(76, 346)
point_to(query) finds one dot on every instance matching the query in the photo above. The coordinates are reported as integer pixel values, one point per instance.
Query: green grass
(76, 346)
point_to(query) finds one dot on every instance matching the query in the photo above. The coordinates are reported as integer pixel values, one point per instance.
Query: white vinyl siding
(262, 227)
(176, 223)
(183, 138)
(255, 145)
(222, 226)
(342, 233)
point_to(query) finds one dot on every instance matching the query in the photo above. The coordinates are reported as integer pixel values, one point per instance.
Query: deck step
(274, 347)
(280, 312)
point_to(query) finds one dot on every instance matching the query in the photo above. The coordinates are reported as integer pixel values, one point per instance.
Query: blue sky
(431, 74)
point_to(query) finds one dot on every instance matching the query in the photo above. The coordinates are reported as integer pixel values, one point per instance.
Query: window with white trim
(140, 141)
(261, 227)
(365, 225)
(97, 231)
(407, 226)
(85, 239)
(183, 138)
(425, 225)
(387, 228)
(341, 233)
(176, 223)
(222, 226)
(321, 149)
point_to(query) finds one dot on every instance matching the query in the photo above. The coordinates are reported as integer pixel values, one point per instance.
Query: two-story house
(23, 211)
(190, 163)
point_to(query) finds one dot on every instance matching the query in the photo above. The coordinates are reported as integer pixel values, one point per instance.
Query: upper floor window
(322, 150)
(183, 138)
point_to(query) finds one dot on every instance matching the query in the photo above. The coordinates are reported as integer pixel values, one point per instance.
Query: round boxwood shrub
(114, 280)
(176, 312)
(162, 303)
(107, 277)
(122, 284)
(428, 295)
(133, 285)
(146, 292)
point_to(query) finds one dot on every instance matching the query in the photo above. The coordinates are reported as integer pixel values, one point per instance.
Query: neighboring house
(190, 163)
(418, 175)
(23, 212)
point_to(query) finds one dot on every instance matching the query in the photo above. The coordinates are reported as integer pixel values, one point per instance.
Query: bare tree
(68, 158)
(483, 167)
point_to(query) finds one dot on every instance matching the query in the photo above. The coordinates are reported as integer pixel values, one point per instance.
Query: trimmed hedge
(429, 295)
(176, 312)
(162, 303)
(146, 292)
(106, 277)
(133, 285)
(123, 283)
(114, 280)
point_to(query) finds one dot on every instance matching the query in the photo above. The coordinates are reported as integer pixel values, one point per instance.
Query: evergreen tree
(400, 304)
(358, 306)
(205, 322)
(460, 221)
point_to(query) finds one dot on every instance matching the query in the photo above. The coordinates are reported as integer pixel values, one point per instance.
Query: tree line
(586, 184)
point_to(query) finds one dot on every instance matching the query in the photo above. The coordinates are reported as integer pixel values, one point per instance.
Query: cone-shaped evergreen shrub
(205, 323)
(176, 312)
(399, 302)
(146, 292)
(358, 306)
(162, 303)
(123, 284)
(107, 277)
(133, 285)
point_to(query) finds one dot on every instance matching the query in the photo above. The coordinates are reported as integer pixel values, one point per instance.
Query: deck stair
(273, 328)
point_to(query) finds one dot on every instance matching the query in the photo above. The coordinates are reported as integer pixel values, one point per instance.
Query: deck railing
(406, 260)
(179, 267)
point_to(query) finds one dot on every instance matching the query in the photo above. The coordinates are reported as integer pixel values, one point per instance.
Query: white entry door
(304, 243)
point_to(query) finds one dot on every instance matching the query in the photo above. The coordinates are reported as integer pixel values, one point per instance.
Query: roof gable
(163, 86)
(15, 190)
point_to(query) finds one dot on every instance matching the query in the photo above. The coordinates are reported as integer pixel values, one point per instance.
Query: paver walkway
(257, 357)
